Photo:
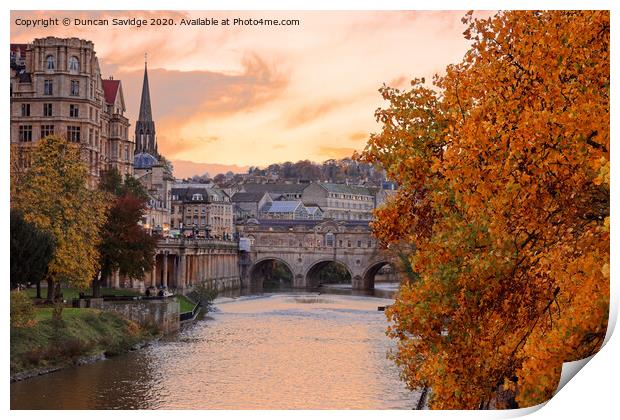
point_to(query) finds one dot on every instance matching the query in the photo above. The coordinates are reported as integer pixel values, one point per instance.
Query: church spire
(145, 126)
(145, 101)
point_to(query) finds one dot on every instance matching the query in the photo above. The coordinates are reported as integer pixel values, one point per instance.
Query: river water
(268, 351)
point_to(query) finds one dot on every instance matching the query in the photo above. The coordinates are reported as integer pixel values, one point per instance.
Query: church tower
(145, 126)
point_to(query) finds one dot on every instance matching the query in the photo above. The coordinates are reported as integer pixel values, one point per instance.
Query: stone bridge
(307, 246)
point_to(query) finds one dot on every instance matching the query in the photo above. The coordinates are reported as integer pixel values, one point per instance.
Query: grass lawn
(186, 304)
(72, 293)
(83, 332)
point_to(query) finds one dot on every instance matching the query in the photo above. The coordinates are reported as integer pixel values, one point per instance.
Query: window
(73, 134)
(47, 110)
(74, 111)
(25, 133)
(47, 130)
(197, 197)
(25, 110)
(50, 63)
(48, 88)
(329, 239)
(75, 88)
(74, 64)
(359, 244)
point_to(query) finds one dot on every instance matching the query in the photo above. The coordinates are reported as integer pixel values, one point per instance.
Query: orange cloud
(398, 82)
(187, 169)
(358, 135)
(309, 113)
(336, 152)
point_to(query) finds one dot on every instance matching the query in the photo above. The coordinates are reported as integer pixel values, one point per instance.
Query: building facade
(341, 201)
(57, 89)
(202, 212)
(284, 210)
(248, 204)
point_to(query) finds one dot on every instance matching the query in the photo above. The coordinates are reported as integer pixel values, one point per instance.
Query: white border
(592, 394)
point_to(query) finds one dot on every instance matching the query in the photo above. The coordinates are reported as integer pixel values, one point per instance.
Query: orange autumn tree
(503, 169)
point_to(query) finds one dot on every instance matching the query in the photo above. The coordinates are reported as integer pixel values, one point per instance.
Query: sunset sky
(239, 96)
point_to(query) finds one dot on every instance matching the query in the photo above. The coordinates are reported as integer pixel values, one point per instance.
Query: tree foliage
(504, 174)
(52, 194)
(31, 252)
(125, 246)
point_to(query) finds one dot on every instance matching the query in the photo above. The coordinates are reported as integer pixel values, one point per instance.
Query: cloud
(187, 169)
(181, 95)
(398, 82)
(358, 135)
(170, 145)
(336, 152)
(309, 113)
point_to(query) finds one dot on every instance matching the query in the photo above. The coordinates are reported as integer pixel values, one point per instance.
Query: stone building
(284, 210)
(248, 204)
(56, 88)
(157, 181)
(202, 211)
(277, 191)
(341, 201)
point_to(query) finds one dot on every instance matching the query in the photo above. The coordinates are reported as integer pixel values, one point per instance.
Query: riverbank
(240, 357)
(85, 335)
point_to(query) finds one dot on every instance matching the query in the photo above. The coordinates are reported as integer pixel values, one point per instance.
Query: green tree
(52, 194)
(31, 252)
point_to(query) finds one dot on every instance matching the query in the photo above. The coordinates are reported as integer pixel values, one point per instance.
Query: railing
(197, 241)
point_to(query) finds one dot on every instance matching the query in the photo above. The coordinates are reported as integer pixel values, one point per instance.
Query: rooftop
(275, 188)
(244, 197)
(281, 207)
(144, 161)
(187, 193)
(110, 90)
(346, 189)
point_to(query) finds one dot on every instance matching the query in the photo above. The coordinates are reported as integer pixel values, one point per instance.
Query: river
(269, 351)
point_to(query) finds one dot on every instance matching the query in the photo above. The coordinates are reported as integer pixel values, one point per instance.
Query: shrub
(22, 310)
(204, 295)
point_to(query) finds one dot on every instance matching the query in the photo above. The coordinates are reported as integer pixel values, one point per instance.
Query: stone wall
(162, 313)
(221, 284)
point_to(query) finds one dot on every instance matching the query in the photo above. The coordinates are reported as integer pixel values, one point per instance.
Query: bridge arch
(367, 279)
(311, 275)
(257, 273)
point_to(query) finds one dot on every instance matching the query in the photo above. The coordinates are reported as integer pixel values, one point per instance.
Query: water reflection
(269, 351)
